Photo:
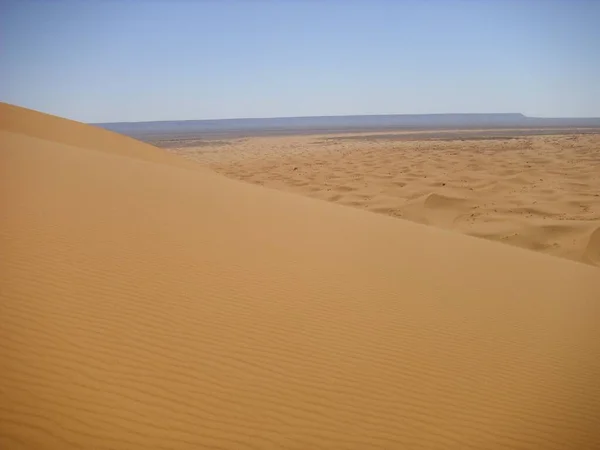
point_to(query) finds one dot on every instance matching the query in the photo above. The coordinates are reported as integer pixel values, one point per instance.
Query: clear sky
(127, 60)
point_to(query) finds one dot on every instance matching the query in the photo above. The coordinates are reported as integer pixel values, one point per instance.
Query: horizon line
(348, 115)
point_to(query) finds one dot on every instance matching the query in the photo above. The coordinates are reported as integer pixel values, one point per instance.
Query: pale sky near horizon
(127, 60)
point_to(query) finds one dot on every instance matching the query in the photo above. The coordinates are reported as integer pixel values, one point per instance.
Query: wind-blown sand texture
(540, 193)
(148, 303)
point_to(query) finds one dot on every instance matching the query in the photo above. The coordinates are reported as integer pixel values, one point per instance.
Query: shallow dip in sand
(536, 192)
(149, 303)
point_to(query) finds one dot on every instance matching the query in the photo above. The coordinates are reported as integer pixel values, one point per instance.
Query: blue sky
(127, 60)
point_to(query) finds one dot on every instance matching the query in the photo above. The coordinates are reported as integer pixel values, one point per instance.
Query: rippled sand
(149, 303)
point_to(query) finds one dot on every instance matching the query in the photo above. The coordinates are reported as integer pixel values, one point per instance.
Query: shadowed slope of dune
(592, 251)
(146, 306)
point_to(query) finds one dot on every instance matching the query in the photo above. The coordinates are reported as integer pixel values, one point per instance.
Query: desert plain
(529, 188)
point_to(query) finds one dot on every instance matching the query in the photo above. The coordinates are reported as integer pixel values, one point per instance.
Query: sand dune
(147, 304)
(535, 192)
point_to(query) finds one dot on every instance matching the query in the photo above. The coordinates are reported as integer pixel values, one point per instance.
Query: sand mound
(145, 305)
(440, 201)
(436, 209)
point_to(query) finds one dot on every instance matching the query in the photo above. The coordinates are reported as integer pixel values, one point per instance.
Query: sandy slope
(145, 305)
(540, 193)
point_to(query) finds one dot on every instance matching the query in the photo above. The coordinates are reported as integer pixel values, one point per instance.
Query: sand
(149, 303)
(538, 192)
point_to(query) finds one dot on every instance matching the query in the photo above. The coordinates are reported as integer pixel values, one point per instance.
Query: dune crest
(68, 132)
(145, 305)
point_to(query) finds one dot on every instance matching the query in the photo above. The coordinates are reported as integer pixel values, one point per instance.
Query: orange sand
(147, 303)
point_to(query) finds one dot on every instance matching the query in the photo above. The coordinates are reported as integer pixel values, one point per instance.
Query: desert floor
(536, 192)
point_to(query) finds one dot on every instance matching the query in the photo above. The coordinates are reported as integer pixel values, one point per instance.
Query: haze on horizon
(112, 61)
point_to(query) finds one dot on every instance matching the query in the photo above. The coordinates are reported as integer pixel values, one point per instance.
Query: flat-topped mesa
(333, 124)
